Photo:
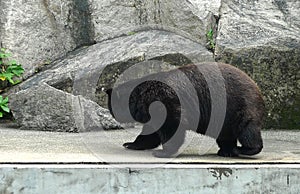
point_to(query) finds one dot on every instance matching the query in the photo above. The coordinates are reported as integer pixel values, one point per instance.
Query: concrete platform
(17, 146)
(96, 162)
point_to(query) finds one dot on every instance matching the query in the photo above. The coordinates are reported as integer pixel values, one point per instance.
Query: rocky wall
(260, 37)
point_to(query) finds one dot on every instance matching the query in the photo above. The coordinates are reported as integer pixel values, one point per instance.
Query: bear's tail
(251, 140)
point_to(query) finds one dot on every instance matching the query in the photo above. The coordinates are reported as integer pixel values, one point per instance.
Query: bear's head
(128, 105)
(121, 104)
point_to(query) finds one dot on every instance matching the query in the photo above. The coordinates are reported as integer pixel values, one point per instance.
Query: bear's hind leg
(228, 148)
(250, 138)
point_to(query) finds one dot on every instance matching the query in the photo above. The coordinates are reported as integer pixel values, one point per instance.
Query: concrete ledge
(200, 178)
(18, 146)
(96, 162)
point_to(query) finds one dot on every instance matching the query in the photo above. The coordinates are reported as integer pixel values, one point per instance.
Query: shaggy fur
(243, 120)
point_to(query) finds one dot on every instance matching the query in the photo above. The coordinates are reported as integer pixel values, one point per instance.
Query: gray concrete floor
(17, 146)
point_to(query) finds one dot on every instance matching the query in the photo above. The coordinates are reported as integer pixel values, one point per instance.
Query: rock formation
(87, 43)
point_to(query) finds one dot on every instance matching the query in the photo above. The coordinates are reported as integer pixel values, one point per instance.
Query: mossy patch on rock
(277, 73)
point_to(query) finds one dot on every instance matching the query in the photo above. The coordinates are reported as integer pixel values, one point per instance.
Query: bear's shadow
(212, 156)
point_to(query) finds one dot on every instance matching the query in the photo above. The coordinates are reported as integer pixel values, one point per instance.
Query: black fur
(243, 120)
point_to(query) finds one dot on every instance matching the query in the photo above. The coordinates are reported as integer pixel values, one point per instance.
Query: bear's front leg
(171, 143)
(148, 139)
(228, 148)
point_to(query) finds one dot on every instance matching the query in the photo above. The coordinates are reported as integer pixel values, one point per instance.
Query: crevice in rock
(217, 26)
(157, 14)
(212, 31)
(84, 35)
(151, 27)
(176, 59)
(65, 85)
(216, 30)
(50, 14)
(141, 12)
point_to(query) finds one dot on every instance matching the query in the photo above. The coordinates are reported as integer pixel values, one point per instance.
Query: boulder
(262, 38)
(49, 100)
(45, 108)
(191, 19)
(38, 32)
(87, 71)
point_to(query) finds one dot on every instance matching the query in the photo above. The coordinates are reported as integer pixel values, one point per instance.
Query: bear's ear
(109, 91)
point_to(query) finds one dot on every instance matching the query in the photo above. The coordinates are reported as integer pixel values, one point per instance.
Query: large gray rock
(38, 32)
(43, 107)
(89, 70)
(260, 37)
(189, 18)
(263, 39)
(248, 24)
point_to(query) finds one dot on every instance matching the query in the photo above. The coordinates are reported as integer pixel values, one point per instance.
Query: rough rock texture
(38, 32)
(89, 70)
(97, 66)
(43, 107)
(260, 37)
(190, 18)
(263, 39)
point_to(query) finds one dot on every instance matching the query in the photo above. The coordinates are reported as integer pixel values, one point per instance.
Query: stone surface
(190, 18)
(89, 70)
(38, 32)
(45, 108)
(262, 38)
(22, 146)
(34, 161)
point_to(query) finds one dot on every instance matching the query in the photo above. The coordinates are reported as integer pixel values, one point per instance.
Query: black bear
(243, 115)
